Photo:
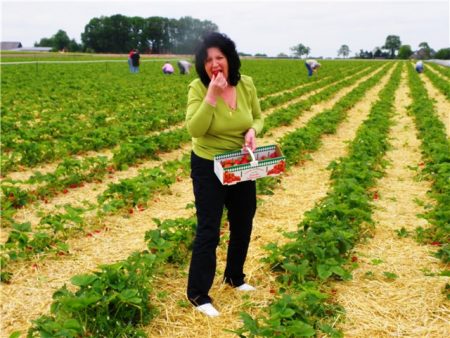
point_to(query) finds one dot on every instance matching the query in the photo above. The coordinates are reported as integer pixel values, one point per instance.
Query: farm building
(17, 46)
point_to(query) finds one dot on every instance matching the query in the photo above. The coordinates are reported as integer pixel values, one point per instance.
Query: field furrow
(442, 104)
(89, 192)
(88, 252)
(396, 289)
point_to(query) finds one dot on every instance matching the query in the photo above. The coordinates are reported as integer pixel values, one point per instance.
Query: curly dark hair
(227, 47)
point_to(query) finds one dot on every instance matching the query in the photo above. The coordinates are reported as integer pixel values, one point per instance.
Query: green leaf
(390, 275)
(83, 280)
(23, 227)
(301, 329)
(130, 296)
(324, 271)
(73, 324)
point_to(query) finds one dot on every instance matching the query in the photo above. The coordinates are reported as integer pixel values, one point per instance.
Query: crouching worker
(311, 66)
(167, 68)
(419, 66)
(184, 66)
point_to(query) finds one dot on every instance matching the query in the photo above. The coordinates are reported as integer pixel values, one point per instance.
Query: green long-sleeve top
(220, 129)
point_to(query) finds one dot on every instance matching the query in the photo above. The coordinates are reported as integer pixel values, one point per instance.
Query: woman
(223, 114)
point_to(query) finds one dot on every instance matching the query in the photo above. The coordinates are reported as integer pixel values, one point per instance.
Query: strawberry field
(98, 218)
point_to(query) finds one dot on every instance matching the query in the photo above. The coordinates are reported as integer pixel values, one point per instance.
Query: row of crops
(81, 108)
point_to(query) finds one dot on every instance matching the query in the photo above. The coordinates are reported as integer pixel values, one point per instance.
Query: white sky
(269, 27)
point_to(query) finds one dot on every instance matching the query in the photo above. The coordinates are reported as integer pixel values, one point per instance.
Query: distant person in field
(167, 68)
(135, 61)
(223, 115)
(130, 63)
(184, 66)
(419, 66)
(311, 66)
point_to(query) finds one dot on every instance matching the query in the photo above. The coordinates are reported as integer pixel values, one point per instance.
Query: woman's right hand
(216, 87)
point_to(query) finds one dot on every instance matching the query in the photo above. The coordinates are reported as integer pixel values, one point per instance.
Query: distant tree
(59, 41)
(300, 50)
(188, 32)
(114, 34)
(282, 56)
(260, 55)
(424, 51)
(392, 43)
(443, 54)
(344, 51)
(364, 54)
(119, 34)
(404, 52)
(424, 45)
(378, 53)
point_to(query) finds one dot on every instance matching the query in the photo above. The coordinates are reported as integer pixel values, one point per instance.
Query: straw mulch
(33, 284)
(413, 304)
(441, 103)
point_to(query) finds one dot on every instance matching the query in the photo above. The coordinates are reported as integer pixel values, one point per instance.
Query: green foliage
(300, 50)
(404, 52)
(108, 303)
(172, 239)
(119, 34)
(59, 41)
(344, 51)
(436, 149)
(443, 54)
(392, 43)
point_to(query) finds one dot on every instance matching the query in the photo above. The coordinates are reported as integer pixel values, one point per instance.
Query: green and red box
(238, 166)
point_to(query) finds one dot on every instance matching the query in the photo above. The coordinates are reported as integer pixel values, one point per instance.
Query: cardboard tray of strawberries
(238, 166)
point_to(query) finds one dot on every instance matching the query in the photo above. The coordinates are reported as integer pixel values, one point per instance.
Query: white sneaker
(208, 309)
(246, 287)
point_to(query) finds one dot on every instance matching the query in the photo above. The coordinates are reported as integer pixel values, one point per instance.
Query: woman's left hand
(250, 139)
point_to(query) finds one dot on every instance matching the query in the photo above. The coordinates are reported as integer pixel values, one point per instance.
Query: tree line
(120, 34)
(392, 48)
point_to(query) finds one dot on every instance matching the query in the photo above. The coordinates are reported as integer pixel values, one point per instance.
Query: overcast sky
(269, 27)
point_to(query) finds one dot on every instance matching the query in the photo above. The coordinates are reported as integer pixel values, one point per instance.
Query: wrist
(211, 100)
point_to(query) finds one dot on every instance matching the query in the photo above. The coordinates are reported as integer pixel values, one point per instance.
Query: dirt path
(441, 103)
(31, 289)
(413, 304)
(438, 73)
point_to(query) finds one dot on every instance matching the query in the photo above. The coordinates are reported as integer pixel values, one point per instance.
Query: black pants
(210, 198)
